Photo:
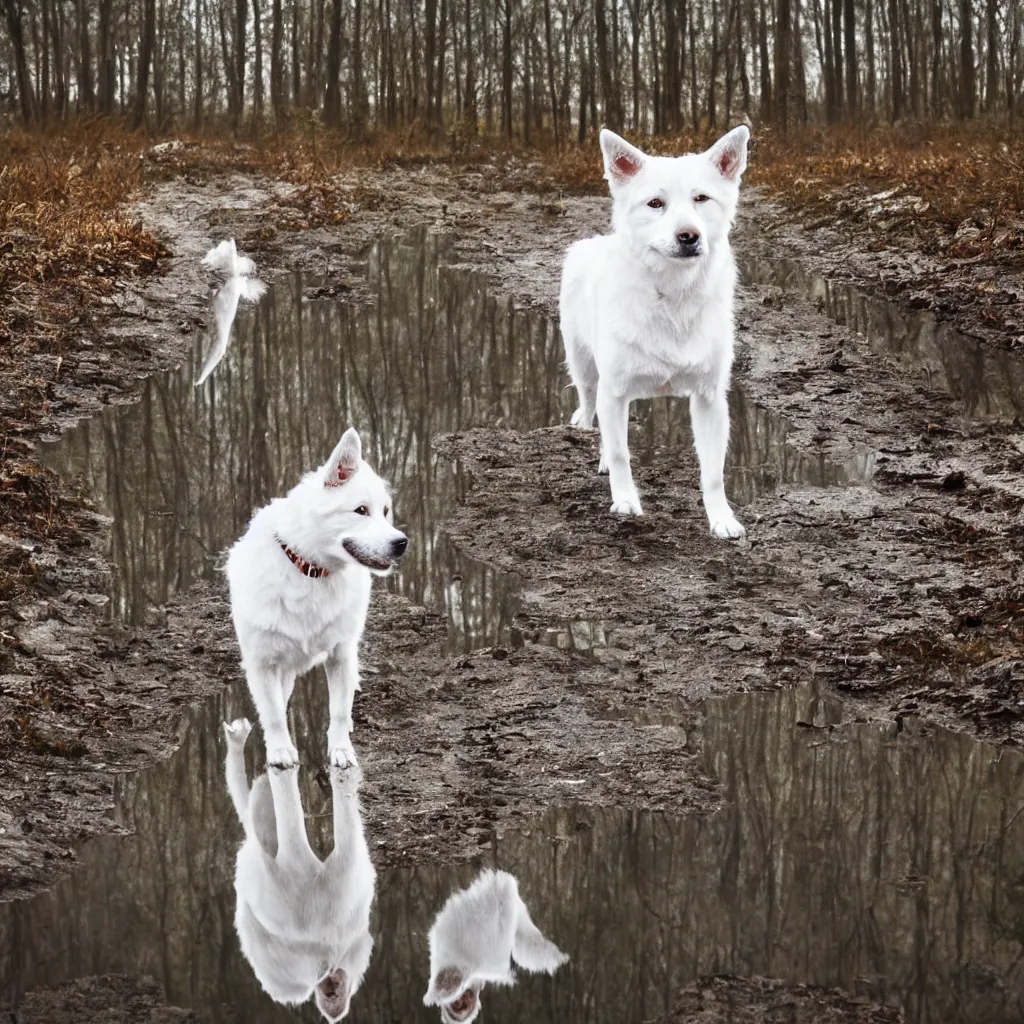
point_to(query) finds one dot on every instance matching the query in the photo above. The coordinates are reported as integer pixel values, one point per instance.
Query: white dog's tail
(224, 257)
(531, 950)
(237, 732)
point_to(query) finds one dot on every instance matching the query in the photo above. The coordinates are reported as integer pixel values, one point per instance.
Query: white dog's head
(675, 210)
(334, 995)
(456, 994)
(348, 513)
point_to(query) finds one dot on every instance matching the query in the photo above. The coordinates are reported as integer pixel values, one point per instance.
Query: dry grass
(61, 216)
(955, 189)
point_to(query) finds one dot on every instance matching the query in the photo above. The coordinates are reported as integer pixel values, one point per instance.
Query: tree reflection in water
(988, 382)
(877, 860)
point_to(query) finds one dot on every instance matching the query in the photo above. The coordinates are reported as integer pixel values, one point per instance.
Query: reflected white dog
(648, 309)
(475, 937)
(300, 590)
(303, 924)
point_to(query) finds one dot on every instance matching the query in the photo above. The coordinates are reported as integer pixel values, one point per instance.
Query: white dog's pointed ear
(344, 460)
(729, 153)
(444, 986)
(621, 160)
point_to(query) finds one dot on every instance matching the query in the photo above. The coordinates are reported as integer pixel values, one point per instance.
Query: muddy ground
(905, 597)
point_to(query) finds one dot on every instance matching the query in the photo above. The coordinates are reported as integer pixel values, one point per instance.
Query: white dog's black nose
(398, 547)
(688, 243)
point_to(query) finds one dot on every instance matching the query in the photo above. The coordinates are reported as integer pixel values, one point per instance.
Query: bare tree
(146, 47)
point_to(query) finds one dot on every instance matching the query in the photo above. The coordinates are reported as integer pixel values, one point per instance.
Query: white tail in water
(225, 258)
(239, 286)
(225, 306)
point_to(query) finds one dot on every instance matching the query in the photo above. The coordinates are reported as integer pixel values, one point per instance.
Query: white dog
(474, 939)
(300, 590)
(303, 924)
(648, 309)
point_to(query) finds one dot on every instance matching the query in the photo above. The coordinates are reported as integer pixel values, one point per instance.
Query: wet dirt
(883, 504)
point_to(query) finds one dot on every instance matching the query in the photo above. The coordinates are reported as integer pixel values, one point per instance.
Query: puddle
(181, 471)
(887, 862)
(641, 902)
(988, 383)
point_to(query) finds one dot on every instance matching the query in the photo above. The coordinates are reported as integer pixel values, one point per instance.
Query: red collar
(310, 569)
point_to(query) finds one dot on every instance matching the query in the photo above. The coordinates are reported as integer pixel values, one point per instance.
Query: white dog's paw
(602, 465)
(627, 507)
(727, 527)
(343, 755)
(238, 730)
(576, 420)
(283, 756)
(347, 777)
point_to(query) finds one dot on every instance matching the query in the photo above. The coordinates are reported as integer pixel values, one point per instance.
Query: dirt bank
(905, 596)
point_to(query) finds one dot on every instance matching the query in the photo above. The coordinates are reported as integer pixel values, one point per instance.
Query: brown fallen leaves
(956, 189)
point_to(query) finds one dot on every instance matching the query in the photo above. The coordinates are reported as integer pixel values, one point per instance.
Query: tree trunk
(332, 96)
(26, 95)
(550, 48)
(241, 17)
(86, 94)
(992, 55)
(869, 47)
(277, 100)
(783, 50)
(506, 72)
(937, 103)
(257, 70)
(766, 71)
(657, 97)
(229, 68)
(296, 64)
(850, 45)
(713, 71)
(197, 95)
(604, 66)
(359, 101)
(430, 52)
(741, 57)
(44, 78)
(967, 88)
(895, 61)
(837, 54)
(146, 47)
(442, 49)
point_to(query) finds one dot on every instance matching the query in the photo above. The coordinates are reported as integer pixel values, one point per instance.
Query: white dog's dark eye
(701, 198)
(656, 204)
(362, 511)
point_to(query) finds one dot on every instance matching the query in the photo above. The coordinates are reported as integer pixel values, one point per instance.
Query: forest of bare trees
(530, 70)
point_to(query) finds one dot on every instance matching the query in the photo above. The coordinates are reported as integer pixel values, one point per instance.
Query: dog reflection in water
(475, 938)
(303, 923)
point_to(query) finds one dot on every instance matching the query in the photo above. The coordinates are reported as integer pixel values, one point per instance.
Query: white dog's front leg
(348, 826)
(710, 422)
(613, 419)
(342, 681)
(236, 733)
(270, 692)
(292, 842)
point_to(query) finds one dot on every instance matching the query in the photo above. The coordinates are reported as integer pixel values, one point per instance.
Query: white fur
(224, 258)
(225, 306)
(474, 939)
(640, 318)
(287, 622)
(303, 924)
